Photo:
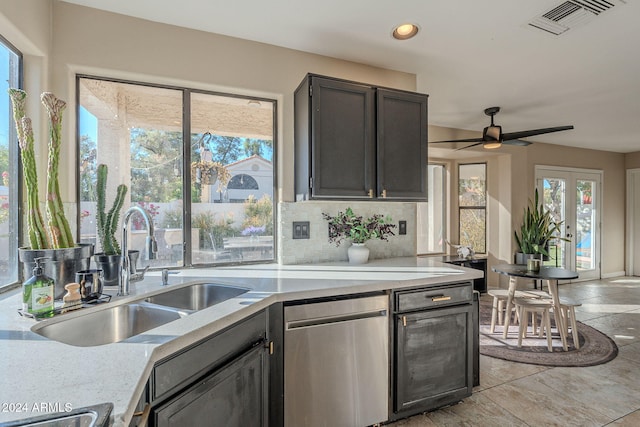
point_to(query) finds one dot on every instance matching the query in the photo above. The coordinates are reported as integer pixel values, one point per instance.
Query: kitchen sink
(107, 326)
(197, 296)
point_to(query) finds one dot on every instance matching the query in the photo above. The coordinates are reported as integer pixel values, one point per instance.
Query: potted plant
(52, 240)
(107, 223)
(537, 230)
(348, 225)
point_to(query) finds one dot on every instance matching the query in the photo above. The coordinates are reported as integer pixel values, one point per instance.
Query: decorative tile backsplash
(318, 249)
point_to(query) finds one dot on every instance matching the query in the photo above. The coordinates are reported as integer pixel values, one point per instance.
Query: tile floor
(515, 394)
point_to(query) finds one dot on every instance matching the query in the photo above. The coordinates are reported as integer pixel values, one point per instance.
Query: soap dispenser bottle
(37, 292)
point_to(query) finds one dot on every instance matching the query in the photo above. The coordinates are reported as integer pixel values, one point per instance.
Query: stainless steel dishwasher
(336, 362)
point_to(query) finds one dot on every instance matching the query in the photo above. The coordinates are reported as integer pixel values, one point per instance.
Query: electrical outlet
(300, 229)
(402, 227)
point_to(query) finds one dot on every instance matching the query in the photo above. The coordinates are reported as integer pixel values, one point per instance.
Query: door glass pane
(554, 201)
(232, 179)
(585, 212)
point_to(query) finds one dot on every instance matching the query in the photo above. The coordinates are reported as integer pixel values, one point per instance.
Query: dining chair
(568, 308)
(534, 306)
(499, 301)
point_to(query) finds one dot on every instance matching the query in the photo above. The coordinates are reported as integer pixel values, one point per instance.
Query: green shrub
(212, 229)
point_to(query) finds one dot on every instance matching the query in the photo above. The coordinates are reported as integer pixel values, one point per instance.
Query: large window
(10, 76)
(202, 164)
(472, 205)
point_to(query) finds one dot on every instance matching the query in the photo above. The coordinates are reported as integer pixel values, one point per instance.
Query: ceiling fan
(492, 136)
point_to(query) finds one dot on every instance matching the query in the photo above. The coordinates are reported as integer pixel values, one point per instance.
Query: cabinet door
(232, 396)
(433, 358)
(402, 145)
(343, 139)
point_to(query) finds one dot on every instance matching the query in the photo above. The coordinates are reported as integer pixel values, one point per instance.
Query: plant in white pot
(54, 239)
(538, 229)
(348, 225)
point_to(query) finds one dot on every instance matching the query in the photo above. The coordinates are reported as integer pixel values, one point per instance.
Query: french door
(574, 197)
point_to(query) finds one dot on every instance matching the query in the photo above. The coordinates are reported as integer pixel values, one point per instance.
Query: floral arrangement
(348, 225)
(137, 222)
(253, 230)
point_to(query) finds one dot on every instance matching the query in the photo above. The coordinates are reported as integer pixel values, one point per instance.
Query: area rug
(595, 347)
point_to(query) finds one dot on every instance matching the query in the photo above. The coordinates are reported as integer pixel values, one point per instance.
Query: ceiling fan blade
(518, 142)
(458, 140)
(469, 146)
(525, 133)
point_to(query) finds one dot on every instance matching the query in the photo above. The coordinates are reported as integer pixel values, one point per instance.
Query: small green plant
(348, 225)
(107, 223)
(538, 229)
(172, 218)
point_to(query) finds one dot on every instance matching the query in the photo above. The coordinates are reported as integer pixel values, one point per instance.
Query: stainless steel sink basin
(107, 326)
(197, 297)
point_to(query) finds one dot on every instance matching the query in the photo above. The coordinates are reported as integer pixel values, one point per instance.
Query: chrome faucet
(151, 248)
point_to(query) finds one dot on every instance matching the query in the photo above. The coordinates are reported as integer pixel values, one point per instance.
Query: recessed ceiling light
(405, 31)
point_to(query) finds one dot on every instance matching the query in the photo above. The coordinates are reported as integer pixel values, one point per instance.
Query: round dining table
(549, 274)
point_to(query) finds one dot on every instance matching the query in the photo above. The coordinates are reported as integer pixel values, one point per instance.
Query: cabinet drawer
(180, 369)
(458, 293)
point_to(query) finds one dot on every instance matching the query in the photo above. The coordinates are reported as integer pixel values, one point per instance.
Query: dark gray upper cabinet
(402, 145)
(356, 141)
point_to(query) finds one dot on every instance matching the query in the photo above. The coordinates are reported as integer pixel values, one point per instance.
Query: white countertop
(40, 375)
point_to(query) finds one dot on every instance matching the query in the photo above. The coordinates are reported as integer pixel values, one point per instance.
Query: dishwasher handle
(305, 323)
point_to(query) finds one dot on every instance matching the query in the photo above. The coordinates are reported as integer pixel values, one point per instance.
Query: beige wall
(632, 160)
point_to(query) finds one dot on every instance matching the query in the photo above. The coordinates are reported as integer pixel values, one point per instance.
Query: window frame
(15, 191)
(444, 201)
(187, 261)
(478, 208)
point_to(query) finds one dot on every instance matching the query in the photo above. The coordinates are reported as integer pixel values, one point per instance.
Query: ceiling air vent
(571, 14)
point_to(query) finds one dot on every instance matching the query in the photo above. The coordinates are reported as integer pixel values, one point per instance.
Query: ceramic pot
(358, 253)
(60, 264)
(110, 266)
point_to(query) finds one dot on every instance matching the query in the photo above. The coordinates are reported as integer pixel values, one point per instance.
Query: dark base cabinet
(231, 396)
(433, 364)
(222, 380)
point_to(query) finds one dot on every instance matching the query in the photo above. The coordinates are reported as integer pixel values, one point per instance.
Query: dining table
(550, 275)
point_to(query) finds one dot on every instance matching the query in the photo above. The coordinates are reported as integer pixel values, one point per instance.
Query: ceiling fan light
(490, 145)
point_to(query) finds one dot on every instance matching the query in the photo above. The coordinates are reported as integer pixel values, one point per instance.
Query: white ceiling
(469, 55)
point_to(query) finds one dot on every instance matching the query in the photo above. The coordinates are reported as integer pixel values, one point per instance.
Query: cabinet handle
(371, 193)
(384, 194)
(404, 320)
(270, 347)
(440, 298)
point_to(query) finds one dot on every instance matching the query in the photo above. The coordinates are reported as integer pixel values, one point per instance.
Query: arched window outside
(242, 182)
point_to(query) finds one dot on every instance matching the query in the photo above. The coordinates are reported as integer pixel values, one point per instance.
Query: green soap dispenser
(37, 292)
